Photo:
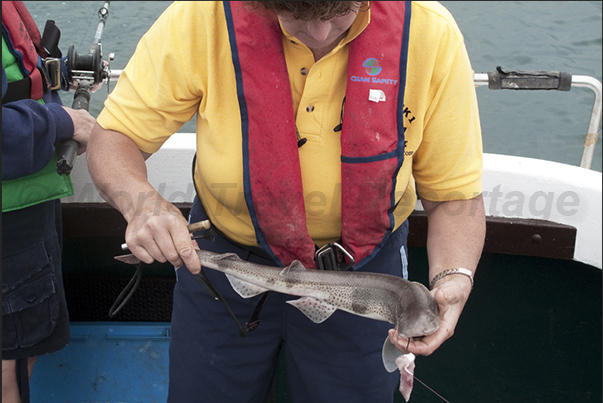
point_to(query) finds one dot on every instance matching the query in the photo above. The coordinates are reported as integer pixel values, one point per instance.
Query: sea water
(519, 35)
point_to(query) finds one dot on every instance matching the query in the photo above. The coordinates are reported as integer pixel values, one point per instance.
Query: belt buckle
(53, 68)
(333, 256)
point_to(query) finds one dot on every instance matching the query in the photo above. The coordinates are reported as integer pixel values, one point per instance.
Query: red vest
(372, 137)
(26, 41)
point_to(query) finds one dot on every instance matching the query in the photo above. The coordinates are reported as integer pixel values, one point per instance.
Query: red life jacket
(372, 137)
(26, 41)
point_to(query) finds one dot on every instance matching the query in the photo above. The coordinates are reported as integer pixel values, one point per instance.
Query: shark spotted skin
(407, 305)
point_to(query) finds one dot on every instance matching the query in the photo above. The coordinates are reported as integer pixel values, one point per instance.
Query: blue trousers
(337, 360)
(35, 320)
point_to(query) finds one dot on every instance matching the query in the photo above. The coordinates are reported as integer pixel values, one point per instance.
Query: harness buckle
(333, 256)
(53, 69)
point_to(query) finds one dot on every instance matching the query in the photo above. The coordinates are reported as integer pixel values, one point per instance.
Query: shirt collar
(360, 23)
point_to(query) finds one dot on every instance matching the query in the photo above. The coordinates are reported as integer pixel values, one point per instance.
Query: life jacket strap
(50, 40)
(22, 370)
(333, 256)
(17, 90)
(50, 71)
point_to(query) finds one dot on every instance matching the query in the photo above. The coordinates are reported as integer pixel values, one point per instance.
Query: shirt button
(309, 108)
(303, 71)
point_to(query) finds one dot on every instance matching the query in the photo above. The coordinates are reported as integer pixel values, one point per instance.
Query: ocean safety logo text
(373, 68)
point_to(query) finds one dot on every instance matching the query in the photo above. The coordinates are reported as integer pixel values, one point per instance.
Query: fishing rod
(86, 71)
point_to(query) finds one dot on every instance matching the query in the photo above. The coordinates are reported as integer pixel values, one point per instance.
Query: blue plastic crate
(106, 362)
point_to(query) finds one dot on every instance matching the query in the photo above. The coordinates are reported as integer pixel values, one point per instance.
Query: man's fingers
(428, 344)
(148, 253)
(168, 250)
(417, 346)
(448, 303)
(172, 243)
(190, 257)
(183, 252)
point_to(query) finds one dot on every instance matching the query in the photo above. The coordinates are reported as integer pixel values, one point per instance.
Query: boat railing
(550, 80)
(534, 81)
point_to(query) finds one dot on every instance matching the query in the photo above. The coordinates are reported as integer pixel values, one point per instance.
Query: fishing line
(127, 292)
(87, 28)
(428, 388)
(423, 383)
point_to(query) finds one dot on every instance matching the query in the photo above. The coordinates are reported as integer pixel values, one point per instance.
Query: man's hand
(451, 294)
(158, 231)
(455, 238)
(156, 228)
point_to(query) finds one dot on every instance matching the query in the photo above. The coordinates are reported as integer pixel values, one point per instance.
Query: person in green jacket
(35, 319)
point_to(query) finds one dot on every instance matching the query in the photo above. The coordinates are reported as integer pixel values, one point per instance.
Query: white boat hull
(514, 187)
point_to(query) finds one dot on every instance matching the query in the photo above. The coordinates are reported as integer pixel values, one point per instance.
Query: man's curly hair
(309, 10)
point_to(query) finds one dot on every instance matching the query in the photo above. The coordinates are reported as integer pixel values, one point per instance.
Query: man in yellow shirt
(317, 122)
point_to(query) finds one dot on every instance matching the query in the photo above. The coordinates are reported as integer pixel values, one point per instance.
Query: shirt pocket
(30, 304)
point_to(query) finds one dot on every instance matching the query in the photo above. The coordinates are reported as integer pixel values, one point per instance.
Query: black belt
(331, 256)
(252, 250)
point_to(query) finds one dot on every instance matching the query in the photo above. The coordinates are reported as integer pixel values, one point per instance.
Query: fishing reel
(89, 69)
(86, 67)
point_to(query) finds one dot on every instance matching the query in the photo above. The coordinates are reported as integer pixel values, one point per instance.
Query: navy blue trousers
(337, 360)
(35, 320)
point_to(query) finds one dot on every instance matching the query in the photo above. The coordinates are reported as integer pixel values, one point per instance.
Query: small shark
(408, 305)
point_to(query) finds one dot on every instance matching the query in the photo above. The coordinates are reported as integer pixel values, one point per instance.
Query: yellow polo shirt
(183, 66)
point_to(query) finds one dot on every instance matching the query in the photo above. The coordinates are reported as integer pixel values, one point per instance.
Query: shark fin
(296, 265)
(243, 288)
(316, 310)
(227, 256)
(389, 354)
